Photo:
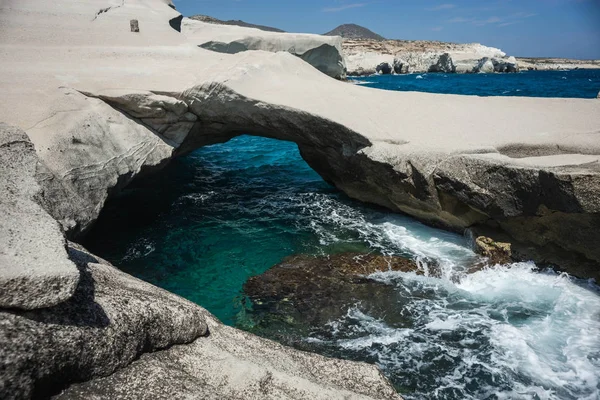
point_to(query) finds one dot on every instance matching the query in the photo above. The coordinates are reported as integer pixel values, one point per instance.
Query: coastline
(80, 132)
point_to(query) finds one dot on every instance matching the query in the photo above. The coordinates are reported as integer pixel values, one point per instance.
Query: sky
(533, 28)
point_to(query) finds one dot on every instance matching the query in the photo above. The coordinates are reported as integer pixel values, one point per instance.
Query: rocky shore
(367, 57)
(87, 113)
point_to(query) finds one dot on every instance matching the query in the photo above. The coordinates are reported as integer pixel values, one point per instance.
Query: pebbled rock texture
(35, 271)
(110, 320)
(231, 364)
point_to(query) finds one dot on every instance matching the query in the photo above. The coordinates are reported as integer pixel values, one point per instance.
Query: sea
(210, 220)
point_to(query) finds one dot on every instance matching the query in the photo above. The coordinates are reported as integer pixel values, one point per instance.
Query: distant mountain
(353, 31)
(211, 20)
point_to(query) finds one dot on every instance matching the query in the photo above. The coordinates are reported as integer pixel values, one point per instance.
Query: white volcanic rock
(418, 62)
(365, 63)
(362, 56)
(273, 94)
(98, 106)
(466, 66)
(35, 271)
(322, 52)
(485, 66)
(444, 64)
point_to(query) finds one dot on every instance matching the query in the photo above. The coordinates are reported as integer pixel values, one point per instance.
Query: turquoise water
(210, 220)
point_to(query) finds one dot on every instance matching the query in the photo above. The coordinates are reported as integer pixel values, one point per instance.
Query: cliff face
(363, 56)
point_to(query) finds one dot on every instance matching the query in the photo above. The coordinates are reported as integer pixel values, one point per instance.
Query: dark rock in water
(400, 66)
(497, 252)
(384, 68)
(310, 291)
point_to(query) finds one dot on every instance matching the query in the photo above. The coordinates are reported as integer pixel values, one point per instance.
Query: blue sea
(577, 83)
(207, 222)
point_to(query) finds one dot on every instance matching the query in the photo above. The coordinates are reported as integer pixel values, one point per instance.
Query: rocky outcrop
(323, 53)
(109, 321)
(112, 319)
(508, 64)
(485, 66)
(416, 62)
(34, 269)
(553, 64)
(496, 252)
(522, 167)
(443, 64)
(417, 56)
(384, 69)
(231, 364)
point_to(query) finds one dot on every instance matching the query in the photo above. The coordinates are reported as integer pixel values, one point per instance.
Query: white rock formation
(322, 52)
(27, 279)
(485, 66)
(106, 106)
(418, 57)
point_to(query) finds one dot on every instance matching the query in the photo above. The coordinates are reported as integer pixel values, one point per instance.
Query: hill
(211, 20)
(353, 31)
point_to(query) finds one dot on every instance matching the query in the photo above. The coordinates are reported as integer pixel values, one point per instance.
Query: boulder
(443, 64)
(485, 65)
(35, 271)
(110, 320)
(506, 64)
(468, 66)
(384, 69)
(419, 61)
(400, 66)
(496, 252)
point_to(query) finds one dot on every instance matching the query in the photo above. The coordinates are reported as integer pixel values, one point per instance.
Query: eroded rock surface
(322, 52)
(305, 291)
(110, 320)
(35, 271)
(231, 364)
(496, 252)
(522, 166)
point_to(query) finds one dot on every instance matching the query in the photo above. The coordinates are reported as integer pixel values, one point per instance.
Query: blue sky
(537, 28)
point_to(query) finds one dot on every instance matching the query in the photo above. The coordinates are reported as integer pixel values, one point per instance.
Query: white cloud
(344, 7)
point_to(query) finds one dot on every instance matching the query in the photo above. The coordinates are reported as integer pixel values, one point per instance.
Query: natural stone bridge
(98, 110)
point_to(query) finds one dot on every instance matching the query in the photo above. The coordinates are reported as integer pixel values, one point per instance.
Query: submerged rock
(310, 291)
